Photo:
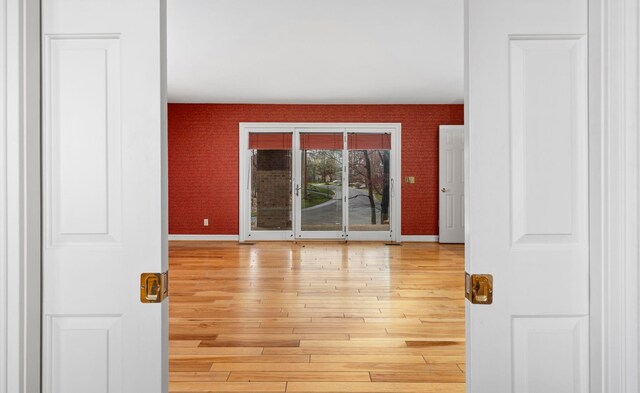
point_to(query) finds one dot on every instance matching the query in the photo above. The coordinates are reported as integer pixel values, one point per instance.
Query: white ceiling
(315, 51)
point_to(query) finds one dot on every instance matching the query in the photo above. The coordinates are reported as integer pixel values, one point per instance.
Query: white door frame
(614, 203)
(20, 223)
(245, 232)
(614, 194)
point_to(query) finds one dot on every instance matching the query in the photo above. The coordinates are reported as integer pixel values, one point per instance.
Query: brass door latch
(154, 287)
(478, 288)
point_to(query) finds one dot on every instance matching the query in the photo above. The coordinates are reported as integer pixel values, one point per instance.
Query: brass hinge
(478, 288)
(154, 287)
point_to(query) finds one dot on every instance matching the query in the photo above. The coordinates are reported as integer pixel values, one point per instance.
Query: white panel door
(527, 188)
(451, 169)
(104, 220)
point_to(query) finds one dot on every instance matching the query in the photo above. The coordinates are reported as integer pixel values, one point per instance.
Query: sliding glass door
(320, 182)
(269, 185)
(369, 185)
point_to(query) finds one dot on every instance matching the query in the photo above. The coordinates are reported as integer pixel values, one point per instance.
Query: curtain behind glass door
(271, 179)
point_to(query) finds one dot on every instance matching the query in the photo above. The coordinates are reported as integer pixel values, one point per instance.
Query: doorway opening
(530, 327)
(295, 307)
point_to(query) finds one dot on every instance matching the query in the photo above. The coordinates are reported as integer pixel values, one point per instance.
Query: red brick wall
(203, 158)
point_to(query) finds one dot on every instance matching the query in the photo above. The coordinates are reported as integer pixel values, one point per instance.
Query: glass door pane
(320, 185)
(271, 179)
(369, 174)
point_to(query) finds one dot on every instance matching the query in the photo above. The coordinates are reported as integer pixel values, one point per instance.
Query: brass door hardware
(479, 288)
(443, 189)
(154, 287)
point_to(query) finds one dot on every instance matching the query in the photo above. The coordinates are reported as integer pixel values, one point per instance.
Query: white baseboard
(223, 238)
(420, 238)
(234, 238)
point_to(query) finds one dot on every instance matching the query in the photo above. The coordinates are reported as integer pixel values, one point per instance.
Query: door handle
(154, 287)
(478, 288)
(443, 189)
(297, 189)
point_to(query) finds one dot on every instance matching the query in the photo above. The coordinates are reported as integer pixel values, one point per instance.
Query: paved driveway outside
(330, 212)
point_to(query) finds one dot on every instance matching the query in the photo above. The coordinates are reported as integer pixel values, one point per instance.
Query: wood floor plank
(362, 350)
(191, 376)
(206, 351)
(250, 343)
(288, 376)
(183, 343)
(316, 317)
(367, 358)
(374, 387)
(251, 387)
(442, 373)
(258, 359)
(319, 367)
(382, 342)
(431, 343)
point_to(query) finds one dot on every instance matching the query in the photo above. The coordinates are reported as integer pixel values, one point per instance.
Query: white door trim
(614, 237)
(395, 129)
(614, 215)
(20, 196)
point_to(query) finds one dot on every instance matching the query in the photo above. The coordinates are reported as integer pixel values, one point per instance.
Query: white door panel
(451, 169)
(104, 195)
(527, 192)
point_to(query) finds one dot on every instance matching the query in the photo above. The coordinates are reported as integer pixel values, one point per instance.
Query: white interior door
(451, 170)
(527, 190)
(104, 219)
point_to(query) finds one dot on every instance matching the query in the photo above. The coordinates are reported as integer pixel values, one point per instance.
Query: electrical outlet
(206, 222)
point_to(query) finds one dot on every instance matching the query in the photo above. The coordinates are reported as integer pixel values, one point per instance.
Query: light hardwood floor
(316, 317)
